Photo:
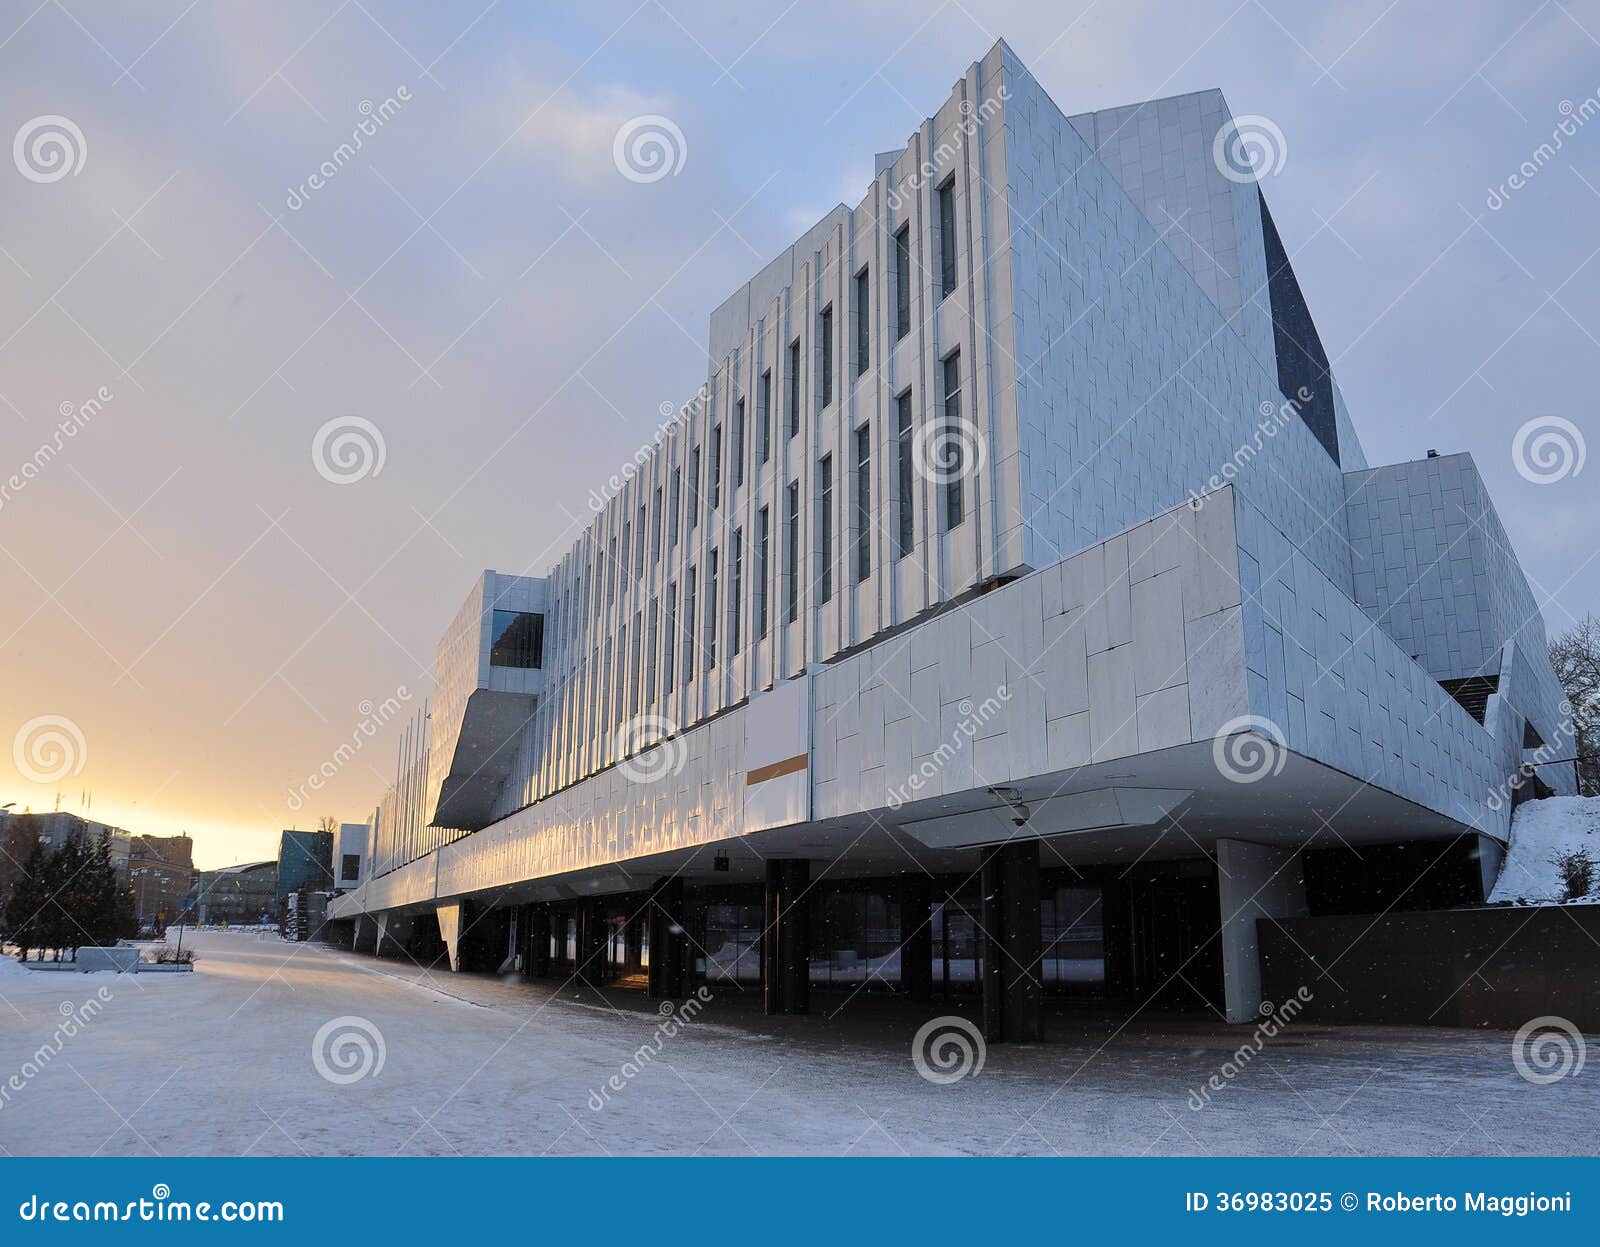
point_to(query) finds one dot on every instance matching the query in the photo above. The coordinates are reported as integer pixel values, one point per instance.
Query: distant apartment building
(161, 873)
(1013, 612)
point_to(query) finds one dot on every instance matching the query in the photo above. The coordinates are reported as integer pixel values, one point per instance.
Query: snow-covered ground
(226, 1060)
(1541, 833)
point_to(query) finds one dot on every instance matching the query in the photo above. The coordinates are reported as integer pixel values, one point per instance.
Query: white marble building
(1019, 508)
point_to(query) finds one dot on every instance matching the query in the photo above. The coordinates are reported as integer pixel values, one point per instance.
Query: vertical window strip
(947, 237)
(902, 281)
(766, 415)
(735, 591)
(954, 439)
(793, 552)
(905, 470)
(863, 502)
(825, 331)
(863, 321)
(825, 530)
(794, 388)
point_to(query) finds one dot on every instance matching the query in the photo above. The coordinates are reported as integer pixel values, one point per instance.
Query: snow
(221, 1062)
(1542, 832)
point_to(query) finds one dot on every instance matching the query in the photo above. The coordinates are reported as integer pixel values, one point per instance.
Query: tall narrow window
(902, 281)
(631, 688)
(671, 647)
(765, 415)
(738, 444)
(947, 236)
(675, 507)
(954, 502)
(792, 554)
(863, 502)
(710, 621)
(694, 488)
(612, 574)
(825, 332)
(655, 535)
(825, 530)
(688, 627)
(863, 321)
(763, 568)
(638, 550)
(627, 546)
(716, 466)
(652, 646)
(735, 590)
(905, 504)
(794, 388)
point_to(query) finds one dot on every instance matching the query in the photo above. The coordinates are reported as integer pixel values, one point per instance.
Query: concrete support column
(393, 932)
(1253, 881)
(1012, 939)
(786, 937)
(366, 936)
(450, 923)
(916, 936)
(1491, 860)
(669, 963)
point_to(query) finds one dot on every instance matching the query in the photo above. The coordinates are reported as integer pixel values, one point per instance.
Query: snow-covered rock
(1542, 833)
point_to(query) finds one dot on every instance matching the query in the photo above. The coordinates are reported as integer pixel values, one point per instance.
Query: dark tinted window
(517, 639)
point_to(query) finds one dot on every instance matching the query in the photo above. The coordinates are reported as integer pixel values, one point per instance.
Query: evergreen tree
(26, 902)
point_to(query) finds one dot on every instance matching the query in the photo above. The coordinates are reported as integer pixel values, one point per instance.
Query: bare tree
(327, 824)
(1576, 658)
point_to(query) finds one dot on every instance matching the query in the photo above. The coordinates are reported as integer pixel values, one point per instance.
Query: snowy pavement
(227, 1060)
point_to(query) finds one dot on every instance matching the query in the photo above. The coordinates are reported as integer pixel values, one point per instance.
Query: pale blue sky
(212, 613)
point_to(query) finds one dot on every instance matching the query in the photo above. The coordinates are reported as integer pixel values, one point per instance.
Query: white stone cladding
(1434, 567)
(599, 651)
(1343, 692)
(1160, 152)
(1132, 389)
(1108, 377)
